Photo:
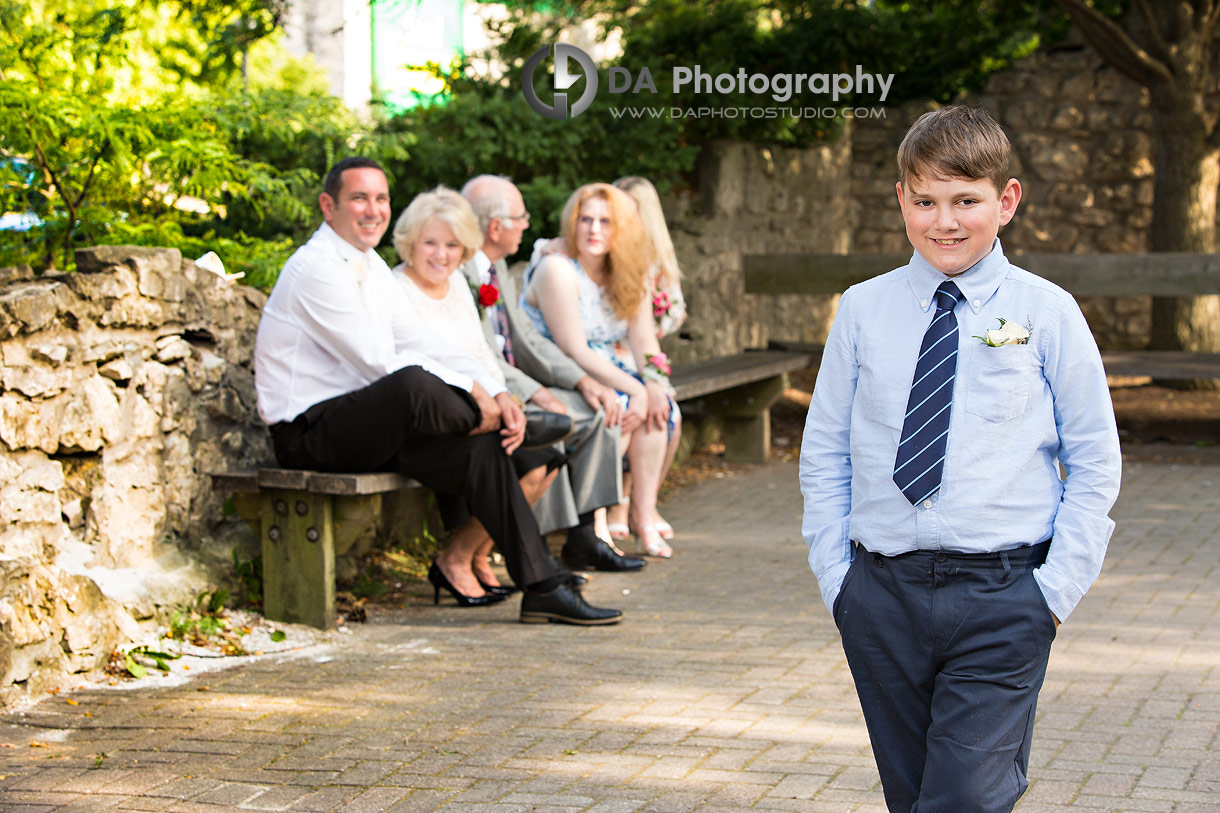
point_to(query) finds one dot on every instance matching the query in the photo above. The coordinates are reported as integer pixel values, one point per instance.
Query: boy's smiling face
(953, 222)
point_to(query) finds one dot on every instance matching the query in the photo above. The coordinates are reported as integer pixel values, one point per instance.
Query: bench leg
(747, 440)
(298, 557)
(746, 411)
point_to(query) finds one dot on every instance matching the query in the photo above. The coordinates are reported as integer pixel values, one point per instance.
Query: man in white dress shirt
(544, 378)
(347, 383)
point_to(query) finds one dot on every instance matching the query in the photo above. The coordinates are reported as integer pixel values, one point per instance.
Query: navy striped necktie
(925, 430)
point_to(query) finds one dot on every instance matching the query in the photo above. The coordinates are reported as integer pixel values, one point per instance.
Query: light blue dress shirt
(1018, 412)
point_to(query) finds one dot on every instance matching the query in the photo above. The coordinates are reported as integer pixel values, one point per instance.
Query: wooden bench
(1164, 274)
(305, 519)
(735, 394)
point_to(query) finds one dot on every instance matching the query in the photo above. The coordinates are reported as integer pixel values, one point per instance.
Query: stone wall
(1083, 151)
(755, 200)
(123, 384)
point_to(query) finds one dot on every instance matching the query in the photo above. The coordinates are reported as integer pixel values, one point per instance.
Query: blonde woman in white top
(668, 304)
(434, 236)
(668, 309)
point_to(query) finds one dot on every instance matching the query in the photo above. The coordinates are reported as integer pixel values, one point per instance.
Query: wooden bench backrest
(1160, 274)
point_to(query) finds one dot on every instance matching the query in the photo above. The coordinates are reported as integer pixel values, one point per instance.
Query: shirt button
(923, 303)
(927, 503)
(976, 303)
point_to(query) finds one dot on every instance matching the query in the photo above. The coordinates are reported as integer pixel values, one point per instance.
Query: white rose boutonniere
(1009, 333)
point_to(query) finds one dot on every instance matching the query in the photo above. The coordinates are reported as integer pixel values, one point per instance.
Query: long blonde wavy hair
(630, 255)
(645, 196)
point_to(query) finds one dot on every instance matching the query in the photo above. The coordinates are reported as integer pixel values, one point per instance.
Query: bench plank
(289, 479)
(704, 377)
(314, 482)
(1162, 364)
(377, 482)
(235, 482)
(1160, 273)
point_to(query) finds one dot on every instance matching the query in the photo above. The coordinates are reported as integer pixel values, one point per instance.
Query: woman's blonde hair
(629, 255)
(445, 205)
(645, 196)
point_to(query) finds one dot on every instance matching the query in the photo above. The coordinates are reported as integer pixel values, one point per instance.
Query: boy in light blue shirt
(944, 542)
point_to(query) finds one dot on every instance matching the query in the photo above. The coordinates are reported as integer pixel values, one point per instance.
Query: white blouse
(453, 319)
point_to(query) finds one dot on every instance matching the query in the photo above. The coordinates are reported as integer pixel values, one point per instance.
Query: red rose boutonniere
(488, 295)
(484, 296)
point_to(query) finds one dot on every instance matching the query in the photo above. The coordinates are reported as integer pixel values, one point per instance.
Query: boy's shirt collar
(978, 283)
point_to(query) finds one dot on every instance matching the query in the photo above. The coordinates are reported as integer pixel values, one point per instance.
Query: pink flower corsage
(657, 368)
(661, 303)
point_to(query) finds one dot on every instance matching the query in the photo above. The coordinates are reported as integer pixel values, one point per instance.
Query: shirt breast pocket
(1001, 379)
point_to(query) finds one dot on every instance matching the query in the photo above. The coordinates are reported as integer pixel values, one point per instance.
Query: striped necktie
(925, 430)
(499, 319)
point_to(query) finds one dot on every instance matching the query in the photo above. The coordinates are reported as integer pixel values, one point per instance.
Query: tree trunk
(1184, 219)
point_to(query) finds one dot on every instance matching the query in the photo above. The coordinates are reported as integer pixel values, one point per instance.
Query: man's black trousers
(415, 424)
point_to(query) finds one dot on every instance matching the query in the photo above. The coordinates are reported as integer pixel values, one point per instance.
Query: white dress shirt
(1019, 411)
(336, 321)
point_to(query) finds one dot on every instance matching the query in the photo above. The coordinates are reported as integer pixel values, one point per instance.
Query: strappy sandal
(654, 546)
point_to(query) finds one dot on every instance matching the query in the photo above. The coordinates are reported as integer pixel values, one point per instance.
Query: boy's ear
(898, 189)
(1009, 198)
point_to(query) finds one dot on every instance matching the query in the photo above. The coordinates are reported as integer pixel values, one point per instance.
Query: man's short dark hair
(334, 179)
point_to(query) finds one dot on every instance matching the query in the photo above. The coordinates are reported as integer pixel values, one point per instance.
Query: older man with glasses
(543, 377)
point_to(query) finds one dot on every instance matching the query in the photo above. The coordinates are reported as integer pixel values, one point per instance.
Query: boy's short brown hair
(955, 142)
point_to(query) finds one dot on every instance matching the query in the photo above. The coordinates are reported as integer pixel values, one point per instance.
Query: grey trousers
(593, 476)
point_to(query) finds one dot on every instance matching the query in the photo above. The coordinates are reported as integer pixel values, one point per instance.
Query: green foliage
(215, 37)
(204, 624)
(250, 577)
(127, 122)
(132, 660)
(369, 586)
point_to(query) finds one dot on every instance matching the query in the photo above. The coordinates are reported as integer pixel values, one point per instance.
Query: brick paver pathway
(725, 689)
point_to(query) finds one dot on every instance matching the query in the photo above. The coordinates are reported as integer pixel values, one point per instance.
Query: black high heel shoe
(438, 581)
(497, 589)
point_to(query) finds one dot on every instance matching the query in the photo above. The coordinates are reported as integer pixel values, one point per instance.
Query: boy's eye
(968, 201)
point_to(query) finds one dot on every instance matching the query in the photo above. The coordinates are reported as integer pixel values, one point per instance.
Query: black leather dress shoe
(545, 428)
(564, 605)
(584, 550)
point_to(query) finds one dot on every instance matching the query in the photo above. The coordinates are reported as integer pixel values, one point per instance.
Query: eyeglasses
(524, 216)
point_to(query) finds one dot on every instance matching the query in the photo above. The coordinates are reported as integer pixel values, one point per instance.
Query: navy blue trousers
(948, 652)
